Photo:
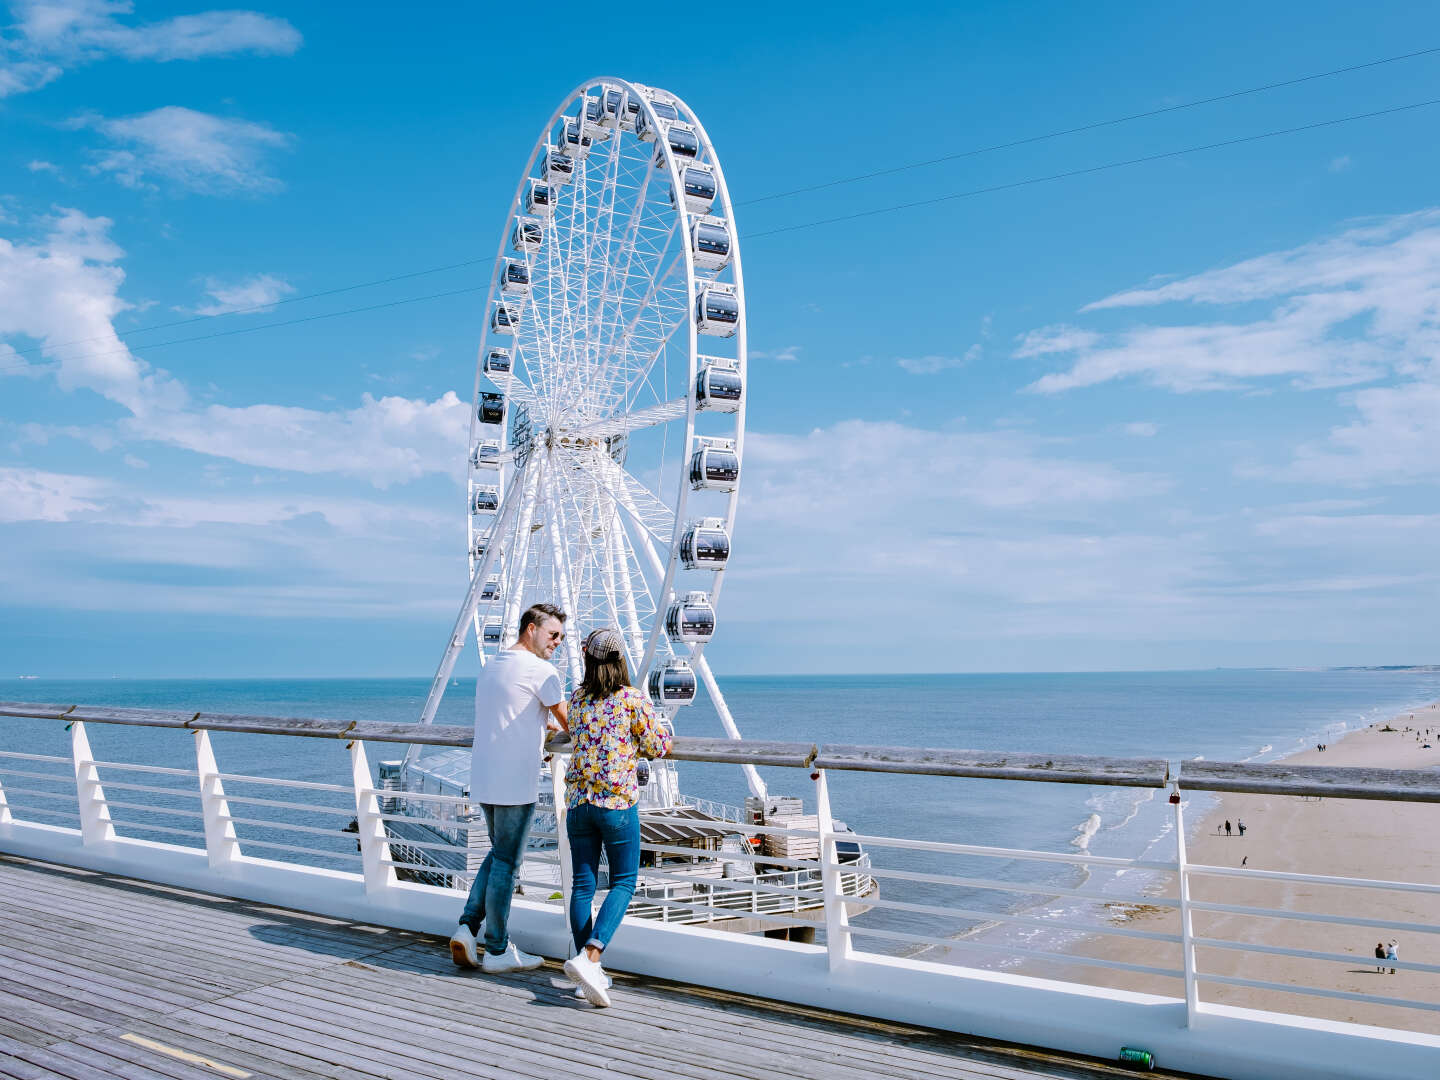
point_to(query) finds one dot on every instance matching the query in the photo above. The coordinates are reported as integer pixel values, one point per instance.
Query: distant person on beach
(612, 726)
(1380, 955)
(1392, 954)
(1227, 826)
(1240, 826)
(518, 697)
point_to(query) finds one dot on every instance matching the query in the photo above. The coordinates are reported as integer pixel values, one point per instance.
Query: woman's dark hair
(604, 676)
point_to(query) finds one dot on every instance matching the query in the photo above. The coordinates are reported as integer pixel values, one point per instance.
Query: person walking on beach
(518, 697)
(1392, 954)
(1240, 826)
(1380, 955)
(611, 726)
(1227, 826)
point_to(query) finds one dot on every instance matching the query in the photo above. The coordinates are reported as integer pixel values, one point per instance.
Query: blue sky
(1172, 415)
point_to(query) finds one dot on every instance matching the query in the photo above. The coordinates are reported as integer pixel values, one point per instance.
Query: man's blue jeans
(494, 884)
(590, 827)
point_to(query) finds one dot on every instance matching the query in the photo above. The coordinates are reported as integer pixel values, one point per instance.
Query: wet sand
(1341, 837)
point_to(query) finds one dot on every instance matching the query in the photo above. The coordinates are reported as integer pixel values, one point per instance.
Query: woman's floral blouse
(609, 735)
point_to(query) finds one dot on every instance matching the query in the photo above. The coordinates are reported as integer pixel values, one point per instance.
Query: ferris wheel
(608, 427)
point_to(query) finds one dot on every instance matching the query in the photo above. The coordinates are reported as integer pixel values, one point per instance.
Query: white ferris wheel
(608, 427)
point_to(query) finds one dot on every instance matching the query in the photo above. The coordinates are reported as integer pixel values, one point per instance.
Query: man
(518, 697)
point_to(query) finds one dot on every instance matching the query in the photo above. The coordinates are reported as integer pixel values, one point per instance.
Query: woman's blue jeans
(590, 828)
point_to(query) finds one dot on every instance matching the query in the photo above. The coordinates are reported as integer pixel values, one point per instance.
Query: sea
(1230, 715)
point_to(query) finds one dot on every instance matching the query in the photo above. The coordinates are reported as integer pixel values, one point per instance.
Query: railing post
(1187, 931)
(5, 818)
(559, 765)
(374, 844)
(95, 824)
(222, 847)
(837, 920)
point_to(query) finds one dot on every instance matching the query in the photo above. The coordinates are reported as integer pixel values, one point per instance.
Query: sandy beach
(1342, 837)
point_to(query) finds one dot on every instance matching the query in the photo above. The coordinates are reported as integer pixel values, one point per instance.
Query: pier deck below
(104, 977)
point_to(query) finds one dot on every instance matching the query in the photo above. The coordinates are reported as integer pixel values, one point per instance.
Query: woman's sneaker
(512, 959)
(605, 981)
(590, 978)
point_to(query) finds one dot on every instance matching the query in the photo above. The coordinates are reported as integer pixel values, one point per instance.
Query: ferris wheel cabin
(485, 455)
(559, 169)
(529, 234)
(691, 619)
(482, 541)
(539, 198)
(492, 633)
(515, 278)
(710, 243)
(705, 545)
(486, 499)
(497, 362)
(575, 140)
(492, 408)
(665, 112)
(717, 310)
(491, 589)
(718, 386)
(698, 182)
(505, 317)
(714, 465)
(673, 684)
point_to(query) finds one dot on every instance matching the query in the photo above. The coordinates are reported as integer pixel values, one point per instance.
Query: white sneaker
(462, 948)
(590, 978)
(604, 979)
(512, 959)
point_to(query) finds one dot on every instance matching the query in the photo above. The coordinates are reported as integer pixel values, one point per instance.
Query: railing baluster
(95, 824)
(222, 846)
(1187, 932)
(375, 855)
(837, 920)
(559, 765)
(5, 818)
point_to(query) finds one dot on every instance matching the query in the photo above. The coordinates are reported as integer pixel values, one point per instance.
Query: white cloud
(63, 292)
(194, 151)
(1395, 440)
(257, 293)
(43, 166)
(1340, 164)
(32, 495)
(1353, 308)
(49, 35)
(1144, 429)
(933, 364)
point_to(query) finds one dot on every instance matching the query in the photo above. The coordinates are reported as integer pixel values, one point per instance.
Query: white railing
(40, 795)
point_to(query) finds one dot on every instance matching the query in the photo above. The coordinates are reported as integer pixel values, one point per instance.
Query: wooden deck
(104, 977)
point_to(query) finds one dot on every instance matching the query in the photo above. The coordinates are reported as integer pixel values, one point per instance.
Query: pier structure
(290, 967)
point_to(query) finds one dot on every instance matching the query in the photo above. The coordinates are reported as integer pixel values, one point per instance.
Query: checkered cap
(604, 643)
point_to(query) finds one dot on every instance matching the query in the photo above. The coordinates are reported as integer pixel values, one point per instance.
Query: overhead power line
(1086, 171)
(1229, 96)
(894, 208)
(1094, 126)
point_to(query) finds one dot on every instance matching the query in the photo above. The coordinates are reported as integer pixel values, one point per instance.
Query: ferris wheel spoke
(628, 422)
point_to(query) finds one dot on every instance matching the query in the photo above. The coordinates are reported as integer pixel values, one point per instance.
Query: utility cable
(1096, 125)
(825, 221)
(1086, 171)
(794, 191)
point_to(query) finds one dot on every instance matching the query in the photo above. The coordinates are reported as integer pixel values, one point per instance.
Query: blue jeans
(590, 827)
(494, 884)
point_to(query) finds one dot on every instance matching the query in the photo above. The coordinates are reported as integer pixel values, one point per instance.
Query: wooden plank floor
(104, 977)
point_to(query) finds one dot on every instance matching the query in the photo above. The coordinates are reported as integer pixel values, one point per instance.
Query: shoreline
(1340, 837)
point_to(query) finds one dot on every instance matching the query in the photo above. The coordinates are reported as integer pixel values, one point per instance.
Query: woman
(611, 726)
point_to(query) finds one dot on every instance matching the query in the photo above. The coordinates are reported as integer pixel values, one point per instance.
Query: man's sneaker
(512, 959)
(462, 948)
(604, 979)
(588, 975)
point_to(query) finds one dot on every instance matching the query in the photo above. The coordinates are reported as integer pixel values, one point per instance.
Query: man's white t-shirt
(512, 699)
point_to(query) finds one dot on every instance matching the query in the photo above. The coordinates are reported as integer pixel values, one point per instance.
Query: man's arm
(559, 721)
